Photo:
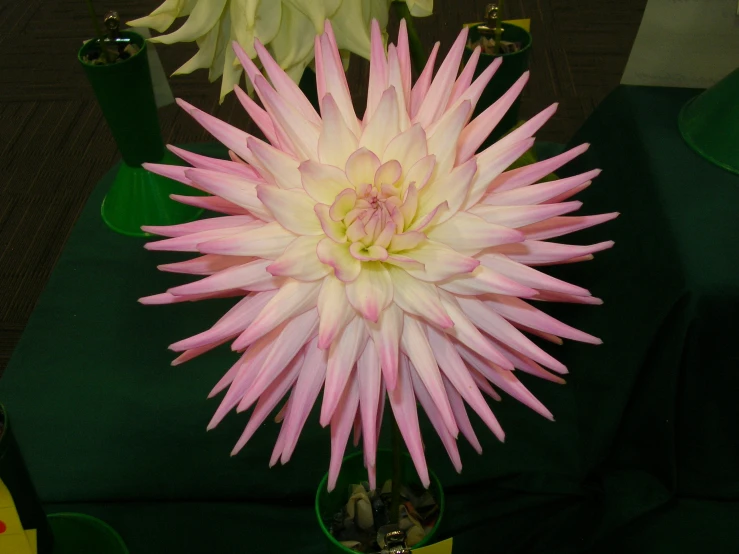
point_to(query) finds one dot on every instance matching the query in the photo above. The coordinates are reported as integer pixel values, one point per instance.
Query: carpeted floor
(55, 146)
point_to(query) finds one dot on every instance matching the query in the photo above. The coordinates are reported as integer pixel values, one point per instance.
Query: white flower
(377, 257)
(287, 28)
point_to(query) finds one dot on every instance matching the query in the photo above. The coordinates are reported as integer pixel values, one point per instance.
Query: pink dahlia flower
(377, 257)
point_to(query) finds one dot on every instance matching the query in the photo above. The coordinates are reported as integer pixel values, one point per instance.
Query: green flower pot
(513, 66)
(80, 533)
(352, 472)
(709, 123)
(126, 97)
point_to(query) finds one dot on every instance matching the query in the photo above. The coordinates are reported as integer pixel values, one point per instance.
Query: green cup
(512, 67)
(80, 533)
(352, 472)
(709, 123)
(126, 96)
(15, 477)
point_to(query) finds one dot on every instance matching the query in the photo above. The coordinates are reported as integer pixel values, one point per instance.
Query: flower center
(376, 217)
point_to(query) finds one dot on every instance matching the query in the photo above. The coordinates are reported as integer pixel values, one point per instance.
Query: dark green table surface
(643, 456)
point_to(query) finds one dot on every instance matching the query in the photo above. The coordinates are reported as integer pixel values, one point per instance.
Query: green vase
(709, 123)
(512, 67)
(352, 472)
(126, 97)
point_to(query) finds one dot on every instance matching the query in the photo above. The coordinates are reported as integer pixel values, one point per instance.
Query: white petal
(383, 126)
(418, 298)
(279, 168)
(468, 234)
(407, 147)
(403, 404)
(293, 209)
(451, 188)
(346, 267)
(440, 262)
(293, 298)
(386, 338)
(414, 344)
(342, 356)
(300, 261)
(323, 182)
(336, 142)
(372, 291)
(334, 310)
(267, 241)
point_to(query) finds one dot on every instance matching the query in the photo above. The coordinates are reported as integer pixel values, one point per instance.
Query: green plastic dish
(83, 534)
(353, 471)
(126, 97)
(709, 123)
(139, 197)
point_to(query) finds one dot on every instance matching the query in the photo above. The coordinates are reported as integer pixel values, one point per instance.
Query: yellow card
(6, 501)
(14, 544)
(31, 536)
(443, 547)
(523, 23)
(12, 537)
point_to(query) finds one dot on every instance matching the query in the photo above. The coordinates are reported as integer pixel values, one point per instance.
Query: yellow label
(31, 536)
(523, 23)
(15, 544)
(443, 547)
(13, 539)
(6, 501)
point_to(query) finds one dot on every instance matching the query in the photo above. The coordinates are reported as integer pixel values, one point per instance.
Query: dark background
(55, 145)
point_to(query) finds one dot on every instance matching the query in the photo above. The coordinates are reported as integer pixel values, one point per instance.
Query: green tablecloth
(642, 458)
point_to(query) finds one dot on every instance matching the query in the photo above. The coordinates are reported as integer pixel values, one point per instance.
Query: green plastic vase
(512, 67)
(709, 123)
(66, 533)
(80, 533)
(137, 197)
(352, 472)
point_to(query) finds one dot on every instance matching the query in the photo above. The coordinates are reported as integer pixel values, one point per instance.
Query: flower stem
(397, 473)
(98, 30)
(418, 53)
(498, 28)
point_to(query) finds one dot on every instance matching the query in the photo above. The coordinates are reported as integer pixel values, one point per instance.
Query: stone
(414, 535)
(425, 500)
(380, 512)
(366, 514)
(407, 519)
(387, 487)
(364, 518)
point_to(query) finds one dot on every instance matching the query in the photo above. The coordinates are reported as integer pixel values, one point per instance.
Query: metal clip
(487, 29)
(392, 540)
(112, 22)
